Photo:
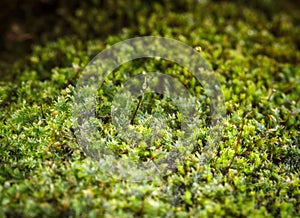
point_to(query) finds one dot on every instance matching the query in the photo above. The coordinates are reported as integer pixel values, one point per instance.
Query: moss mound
(254, 50)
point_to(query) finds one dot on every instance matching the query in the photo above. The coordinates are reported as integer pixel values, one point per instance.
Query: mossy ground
(254, 50)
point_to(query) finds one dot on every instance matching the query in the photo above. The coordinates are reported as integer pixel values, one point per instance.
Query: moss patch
(254, 50)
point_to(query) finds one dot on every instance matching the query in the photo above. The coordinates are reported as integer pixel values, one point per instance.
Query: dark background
(24, 23)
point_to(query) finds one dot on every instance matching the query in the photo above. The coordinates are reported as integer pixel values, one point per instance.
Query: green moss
(254, 50)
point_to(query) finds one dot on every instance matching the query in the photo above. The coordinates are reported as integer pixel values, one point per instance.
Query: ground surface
(254, 50)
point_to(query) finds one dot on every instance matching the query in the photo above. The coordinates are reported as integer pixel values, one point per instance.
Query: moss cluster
(255, 52)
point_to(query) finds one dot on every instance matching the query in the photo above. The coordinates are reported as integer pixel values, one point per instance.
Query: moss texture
(254, 50)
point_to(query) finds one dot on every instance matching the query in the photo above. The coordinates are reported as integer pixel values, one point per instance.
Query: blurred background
(26, 23)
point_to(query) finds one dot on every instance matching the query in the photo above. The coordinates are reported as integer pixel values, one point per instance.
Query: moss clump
(254, 50)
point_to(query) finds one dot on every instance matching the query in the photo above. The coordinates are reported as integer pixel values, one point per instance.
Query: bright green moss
(254, 50)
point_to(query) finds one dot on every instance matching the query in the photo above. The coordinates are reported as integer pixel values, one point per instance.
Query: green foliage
(255, 54)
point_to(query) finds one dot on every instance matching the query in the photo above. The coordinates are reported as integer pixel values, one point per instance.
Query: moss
(254, 50)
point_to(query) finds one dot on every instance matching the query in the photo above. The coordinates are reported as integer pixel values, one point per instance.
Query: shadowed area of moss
(254, 50)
